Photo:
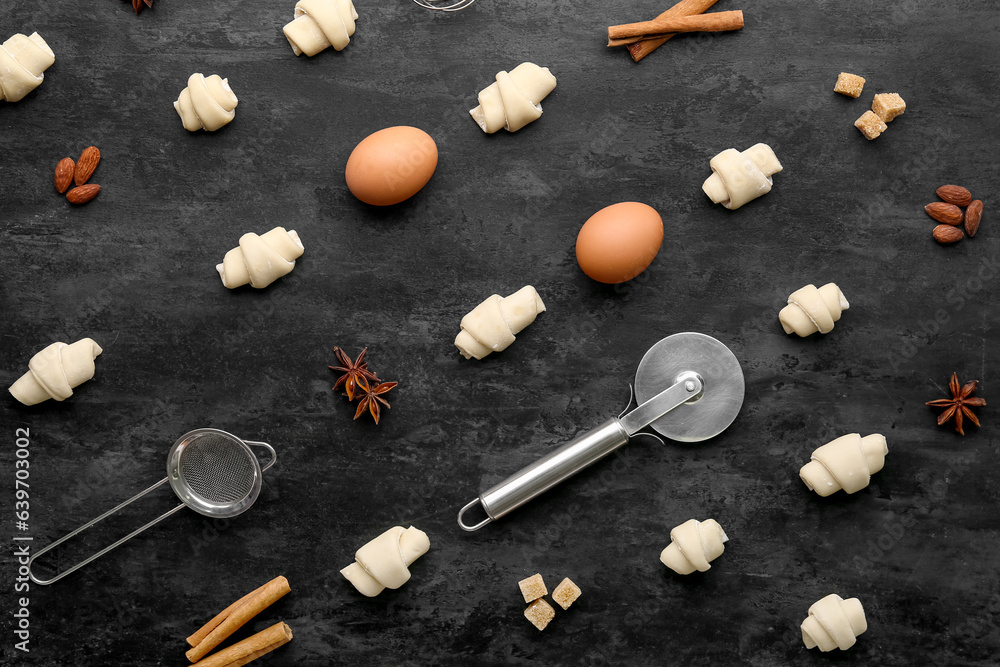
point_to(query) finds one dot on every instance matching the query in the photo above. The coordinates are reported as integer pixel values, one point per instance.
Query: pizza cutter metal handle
(689, 387)
(580, 452)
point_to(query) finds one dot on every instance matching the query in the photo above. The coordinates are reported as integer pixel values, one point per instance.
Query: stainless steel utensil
(211, 471)
(444, 5)
(688, 387)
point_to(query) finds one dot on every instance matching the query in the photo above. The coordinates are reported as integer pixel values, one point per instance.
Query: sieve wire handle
(269, 448)
(46, 582)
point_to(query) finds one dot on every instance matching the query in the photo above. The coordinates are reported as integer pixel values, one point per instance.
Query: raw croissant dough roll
(834, 622)
(22, 61)
(693, 544)
(319, 24)
(55, 371)
(207, 103)
(514, 99)
(260, 260)
(492, 325)
(810, 310)
(738, 178)
(384, 562)
(846, 463)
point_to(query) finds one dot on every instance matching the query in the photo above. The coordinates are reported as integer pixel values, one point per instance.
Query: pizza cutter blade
(689, 387)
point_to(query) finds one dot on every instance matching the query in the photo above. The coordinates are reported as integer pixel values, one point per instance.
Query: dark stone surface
(135, 271)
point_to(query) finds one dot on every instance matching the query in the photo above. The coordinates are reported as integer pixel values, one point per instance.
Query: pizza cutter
(689, 387)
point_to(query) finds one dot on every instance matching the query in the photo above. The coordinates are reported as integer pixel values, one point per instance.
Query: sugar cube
(870, 125)
(566, 593)
(540, 613)
(888, 106)
(533, 588)
(849, 84)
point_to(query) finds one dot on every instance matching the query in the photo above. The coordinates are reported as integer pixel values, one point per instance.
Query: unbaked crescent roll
(693, 544)
(738, 178)
(384, 562)
(492, 325)
(260, 260)
(22, 61)
(319, 24)
(810, 310)
(514, 99)
(846, 463)
(55, 371)
(834, 622)
(207, 103)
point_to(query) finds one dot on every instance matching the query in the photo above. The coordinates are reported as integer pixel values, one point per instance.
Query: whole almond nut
(973, 216)
(948, 214)
(64, 174)
(947, 234)
(83, 193)
(86, 165)
(955, 194)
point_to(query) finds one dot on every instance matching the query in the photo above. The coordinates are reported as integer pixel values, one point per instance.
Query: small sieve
(212, 472)
(444, 5)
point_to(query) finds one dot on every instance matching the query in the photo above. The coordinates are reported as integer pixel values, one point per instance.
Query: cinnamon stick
(204, 630)
(639, 50)
(629, 33)
(240, 612)
(250, 648)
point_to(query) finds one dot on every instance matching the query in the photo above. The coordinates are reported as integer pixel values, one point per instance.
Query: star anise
(958, 406)
(355, 373)
(137, 5)
(372, 397)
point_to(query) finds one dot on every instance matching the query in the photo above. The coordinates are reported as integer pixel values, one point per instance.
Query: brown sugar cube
(533, 588)
(849, 84)
(540, 613)
(888, 105)
(870, 125)
(566, 593)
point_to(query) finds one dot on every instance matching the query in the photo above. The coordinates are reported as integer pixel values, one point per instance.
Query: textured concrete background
(135, 270)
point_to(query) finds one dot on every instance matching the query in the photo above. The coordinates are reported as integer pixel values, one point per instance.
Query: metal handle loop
(46, 582)
(465, 526)
(269, 448)
(441, 6)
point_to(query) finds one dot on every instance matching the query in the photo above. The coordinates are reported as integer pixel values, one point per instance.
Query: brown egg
(618, 242)
(391, 165)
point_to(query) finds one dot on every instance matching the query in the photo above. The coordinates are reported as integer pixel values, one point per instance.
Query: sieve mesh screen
(218, 468)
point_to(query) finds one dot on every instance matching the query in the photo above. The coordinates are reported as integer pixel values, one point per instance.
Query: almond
(64, 174)
(955, 194)
(83, 193)
(973, 216)
(86, 165)
(947, 234)
(949, 214)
